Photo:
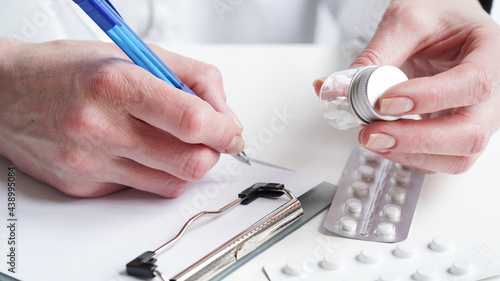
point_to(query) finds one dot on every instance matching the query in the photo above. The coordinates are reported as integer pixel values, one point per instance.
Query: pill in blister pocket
(366, 172)
(360, 189)
(398, 194)
(354, 206)
(349, 225)
(392, 212)
(386, 229)
(375, 198)
(402, 176)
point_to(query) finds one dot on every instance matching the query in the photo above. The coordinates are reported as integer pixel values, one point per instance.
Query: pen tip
(242, 157)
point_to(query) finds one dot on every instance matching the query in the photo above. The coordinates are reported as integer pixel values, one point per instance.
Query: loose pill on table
(441, 243)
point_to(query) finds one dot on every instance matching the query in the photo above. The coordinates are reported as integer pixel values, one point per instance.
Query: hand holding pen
(79, 116)
(104, 14)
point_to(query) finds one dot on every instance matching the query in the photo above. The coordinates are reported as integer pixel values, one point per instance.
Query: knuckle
(482, 86)
(461, 165)
(193, 124)
(369, 56)
(478, 140)
(211, 72)
(173, 188)
(198, 164)
(87, 125)
(109, 83)
(78, 162)
(395, 8)
(412, 159)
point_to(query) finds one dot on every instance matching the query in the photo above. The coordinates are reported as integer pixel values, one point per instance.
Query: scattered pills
(377, 195)
(370, 255)
(468, 259)
(441, 243)
(461, 267)
(333, 261)
(426, 273)
(405, 249)
(389, 276)
(293, 267)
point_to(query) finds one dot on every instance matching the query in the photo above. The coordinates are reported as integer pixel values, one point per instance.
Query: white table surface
(262, 82)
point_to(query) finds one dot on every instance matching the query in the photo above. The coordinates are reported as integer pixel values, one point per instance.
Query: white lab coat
(202, 21)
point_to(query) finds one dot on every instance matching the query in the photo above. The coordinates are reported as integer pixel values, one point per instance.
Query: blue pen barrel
(108, 19)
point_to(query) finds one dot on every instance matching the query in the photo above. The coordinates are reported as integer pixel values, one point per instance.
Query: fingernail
(396, 106)
(322, 80)
(237, 144)
(380, 142)
(236, 120)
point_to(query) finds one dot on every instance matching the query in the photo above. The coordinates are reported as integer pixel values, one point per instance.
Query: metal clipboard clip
(234, 249)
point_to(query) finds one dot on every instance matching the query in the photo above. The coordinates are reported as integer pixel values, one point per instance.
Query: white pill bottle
(349, 98)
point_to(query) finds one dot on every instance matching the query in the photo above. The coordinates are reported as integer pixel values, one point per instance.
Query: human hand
(449, 51)
(83, 118)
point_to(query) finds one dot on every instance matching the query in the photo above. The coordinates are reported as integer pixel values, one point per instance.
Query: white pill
(426, 273)
(441, 243)
(293, 267)
(386, 229)
(370, 157)
(349, 225)
(398, 194)
(392, 212)
(354, 206)
(360, 189)
(332, 261)
(402, 176)
(388, 276)
(406, 250)
(370, 255)
(461, 267)
(366, 172)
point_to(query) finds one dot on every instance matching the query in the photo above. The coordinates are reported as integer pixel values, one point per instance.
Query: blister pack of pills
(451, 257)
(375, 199)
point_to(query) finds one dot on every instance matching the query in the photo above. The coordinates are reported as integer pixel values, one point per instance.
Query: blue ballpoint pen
(109, 20)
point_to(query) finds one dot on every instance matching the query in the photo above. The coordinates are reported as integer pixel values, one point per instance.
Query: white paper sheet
(62, 238)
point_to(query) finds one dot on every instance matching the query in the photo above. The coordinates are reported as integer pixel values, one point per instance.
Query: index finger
(154, 101)
(463, 85)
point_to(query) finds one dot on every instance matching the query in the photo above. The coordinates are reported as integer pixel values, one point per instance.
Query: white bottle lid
(368, 85)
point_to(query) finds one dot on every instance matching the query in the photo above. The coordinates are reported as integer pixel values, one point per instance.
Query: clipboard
(313, 201)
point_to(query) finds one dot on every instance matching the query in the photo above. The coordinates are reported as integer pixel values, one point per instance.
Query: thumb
(397, 37)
